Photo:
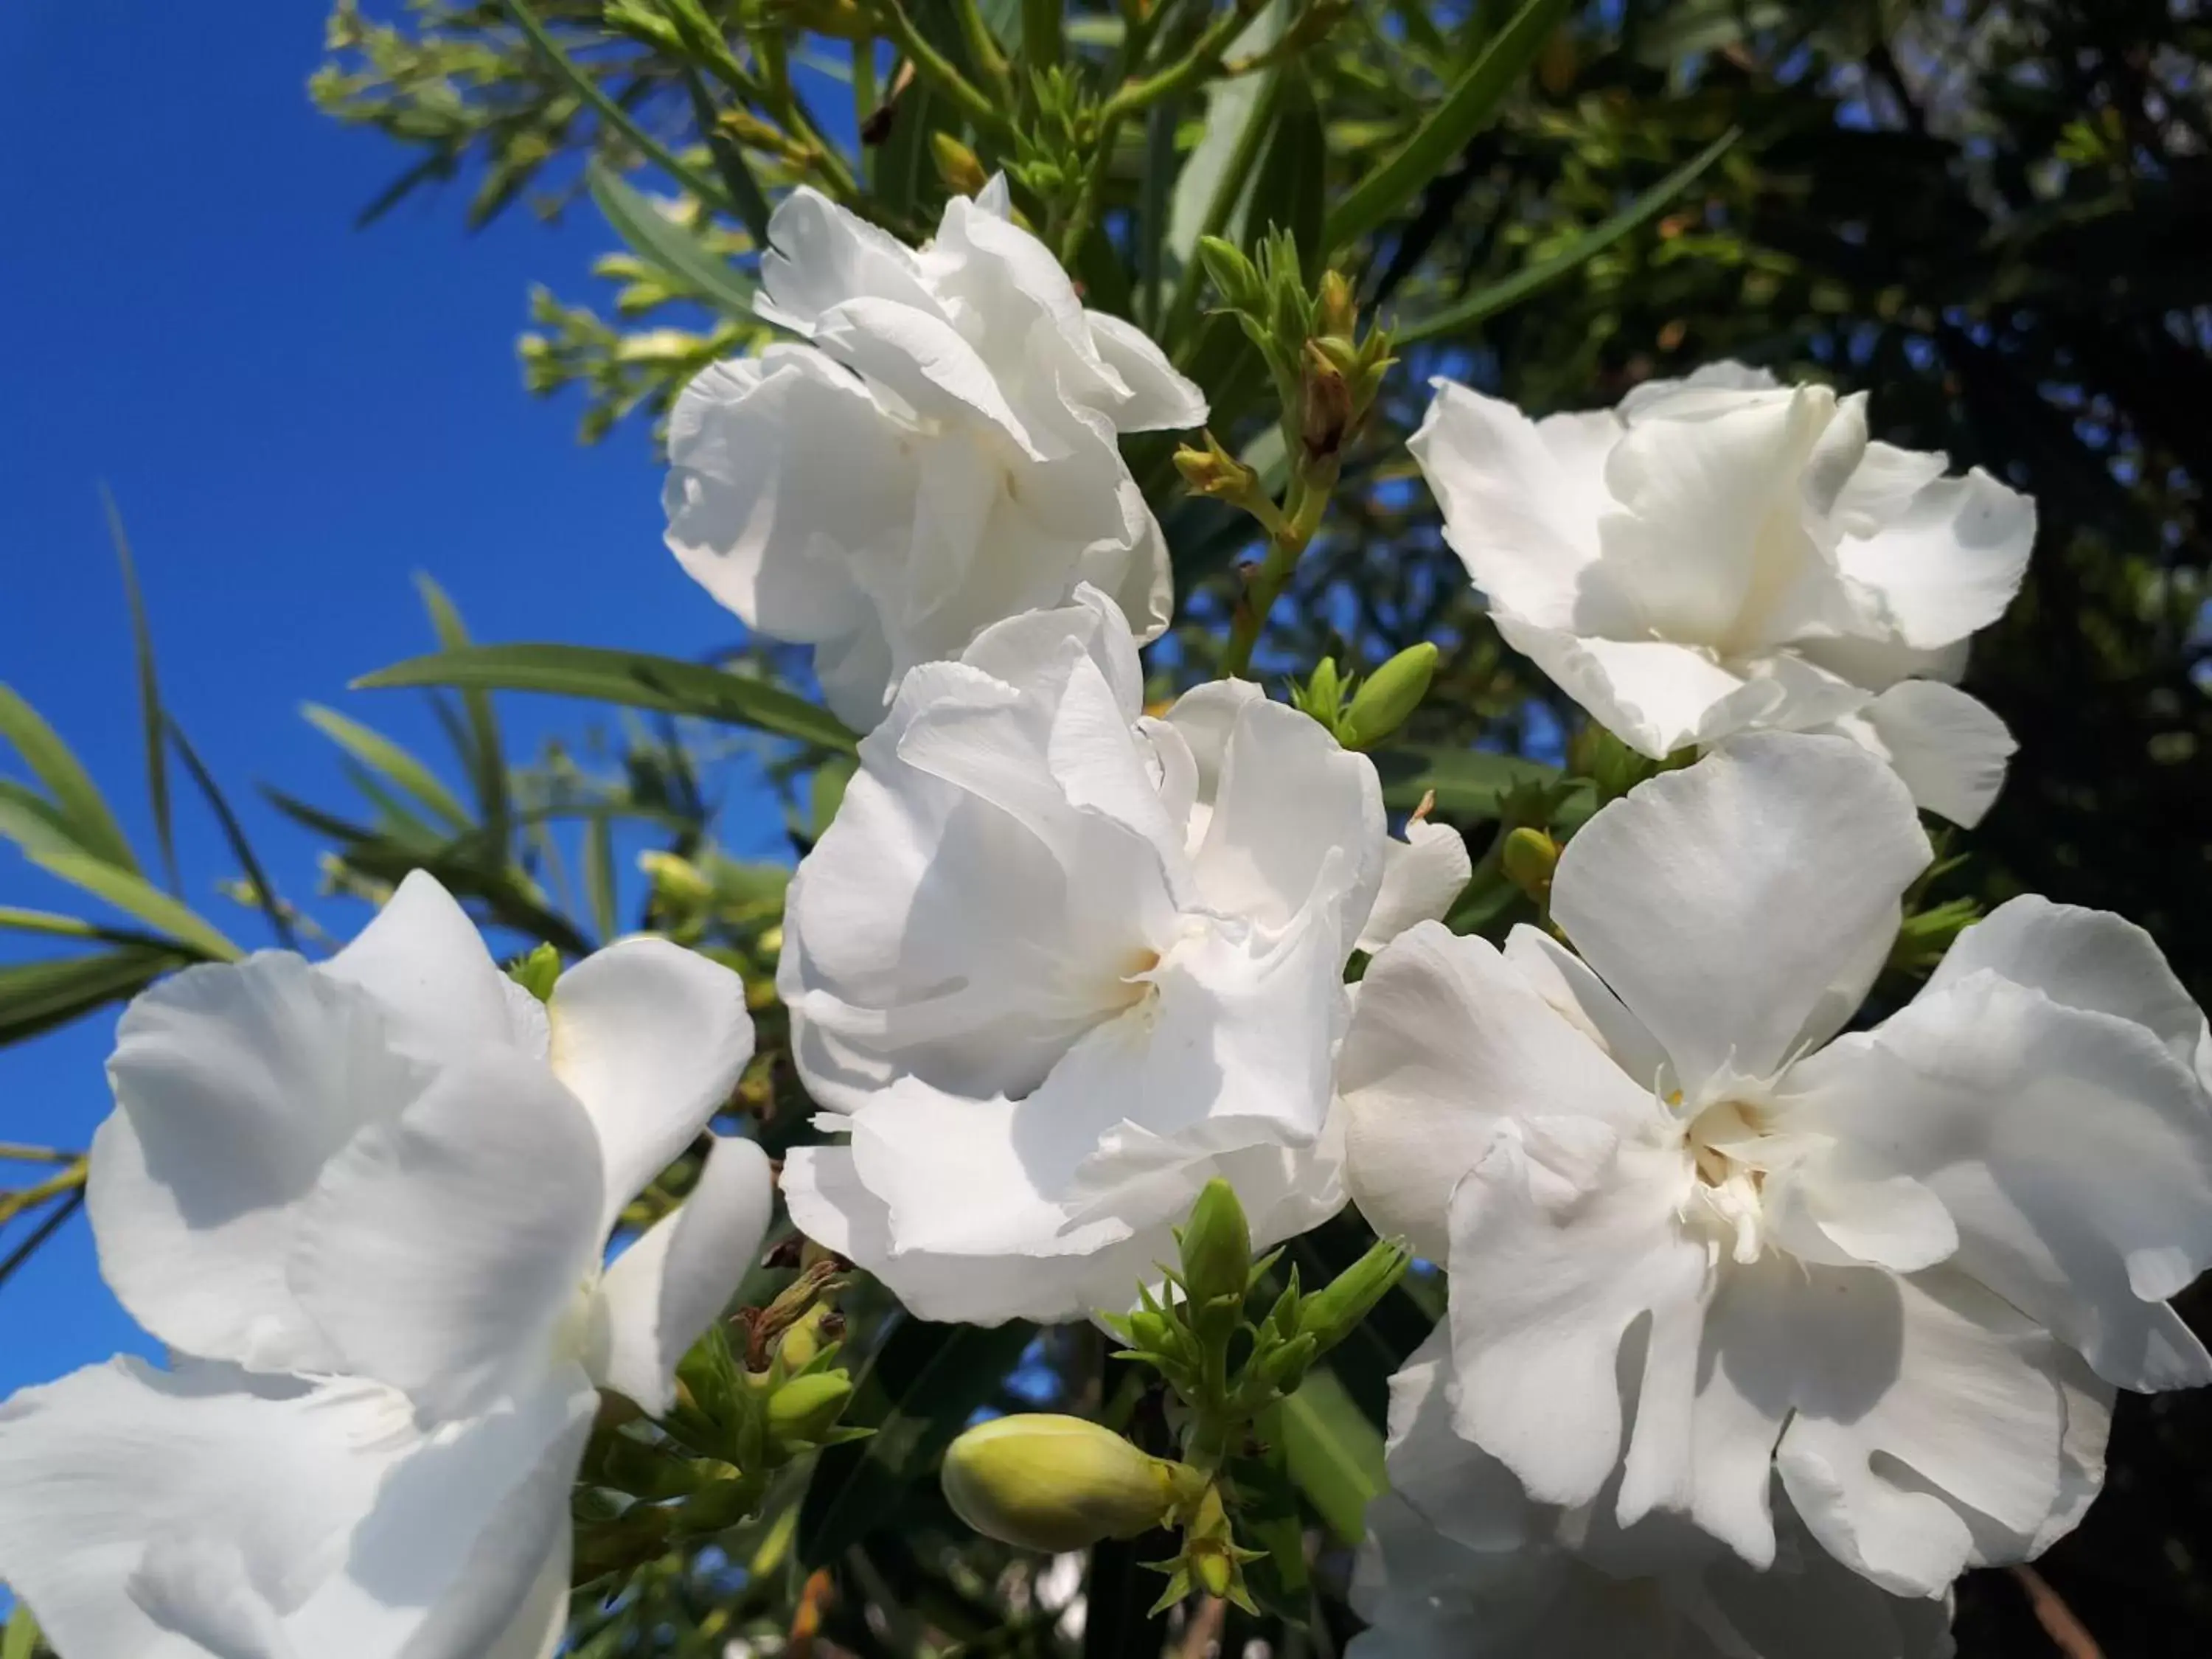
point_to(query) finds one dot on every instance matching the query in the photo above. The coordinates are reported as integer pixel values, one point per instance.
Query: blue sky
(294, 415)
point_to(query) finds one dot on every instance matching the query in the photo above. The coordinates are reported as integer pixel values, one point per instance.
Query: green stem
(985, 51)
(933, 66)
(1288, 537)
(1195, 66)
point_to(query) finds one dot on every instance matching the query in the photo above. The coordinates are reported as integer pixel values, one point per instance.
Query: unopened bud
(1528, 858)
(1041, 1481)
(536, 972)
(1333, 1312)
(1217, 1248)
(676, 880)
(807, 1408)
(1390, 696)
(1334, 311)
(1232, 272)
(956, 165)
(1324, 411)
(1214, 472)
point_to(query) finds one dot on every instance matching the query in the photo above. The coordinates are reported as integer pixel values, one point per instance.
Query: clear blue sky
(294, 415)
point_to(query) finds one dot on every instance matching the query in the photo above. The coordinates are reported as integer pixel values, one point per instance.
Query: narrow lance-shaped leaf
(1500, 295)
(1334, 1454)
(131, 892)
(151, 719)
(234, 833)
(76, 798)
(600, 877)
(487, 755)
(667, 246)
(37, 996)
(1467, 109)
(630, 679)
(388, 760)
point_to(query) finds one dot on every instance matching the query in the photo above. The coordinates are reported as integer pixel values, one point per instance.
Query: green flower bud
(805, 1408)
(956, 165)
(677, 883)
(1325, 410)
(1333, 1312)
(1528, 858)
(536, 972)
(1217, 1248)
(1214, 472)
(1390, 696)
(1040, 1481)
(1233, 273)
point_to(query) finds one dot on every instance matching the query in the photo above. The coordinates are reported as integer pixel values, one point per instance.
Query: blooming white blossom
(941, 456)
(1874, 1268)
(1724, 554)
(366, 1203)
(1056, 964)
(1459, 1563)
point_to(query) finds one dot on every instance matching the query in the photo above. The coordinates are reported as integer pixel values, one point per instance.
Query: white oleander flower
(1056, 964)
(1866, 1267)
(1459, 1563)
(1724, 554)
(942, 455)
(366, 1203)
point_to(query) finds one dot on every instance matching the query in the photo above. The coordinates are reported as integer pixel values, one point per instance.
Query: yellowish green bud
(956, 165)
(536, 972)
(1389, 696)
(676, 881)
(1528, 858)
(1325, 410)
(1217, 1248)
(1334, 1311)
(1214, 472)
(1041, 1481)
(807, 1408)
(1336, 312)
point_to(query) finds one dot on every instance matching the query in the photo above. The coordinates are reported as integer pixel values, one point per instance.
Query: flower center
(1723, 1141)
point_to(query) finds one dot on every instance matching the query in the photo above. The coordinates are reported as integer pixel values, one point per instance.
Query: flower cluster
(1764, 1321)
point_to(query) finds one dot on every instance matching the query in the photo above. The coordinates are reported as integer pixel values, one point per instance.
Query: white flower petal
(1563, 1239)
(1297, 820)
(1524, 526)
(2072, 1149)
(819, 255)
(1565, 980)
(259, 1483)
(2087, 959)
(651, 1039)
(1950, 560)
(1422, 876)
(662, 1294)
(1950, 749)
(442, 1249)
(423, 959)
(1159, 399)
(1654, 695)
(929, 365)
(1447, 1042)
(1929, 1419)
(1206, 715)
(234, 1085)
(1694, 544)
(1672, 895)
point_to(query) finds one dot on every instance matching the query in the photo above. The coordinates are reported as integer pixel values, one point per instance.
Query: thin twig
(2067, 1633)
(44, 1230)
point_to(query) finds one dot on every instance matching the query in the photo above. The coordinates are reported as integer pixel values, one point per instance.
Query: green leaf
(234, 834)
(388, 760)
(632, 680)
(1467, 109)
(55, 924)
(931, 1379)
(80, 806)
(37, 996)
(1468, 782)
(150, 717)
(1289, 190)
(487, 757)
(667, 246)
(1335, 1454)
(1488, 302)
(21, 1639)
(585, 87)
(729, 163)
(131, 892)
(600, 877)
(33, 823)
(1215, 181)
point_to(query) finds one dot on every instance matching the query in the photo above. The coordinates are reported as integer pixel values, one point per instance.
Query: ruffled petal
(1446, 1042)
(1951, 750)
(442, 1249)
(1655, 695)
(1159, 399)
(1423, 876)
(235, 1085)
(651, 1039)
(1672, 894)
(424, 960)
(1950, 560)
(674, 1281)
(2072, 1148)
